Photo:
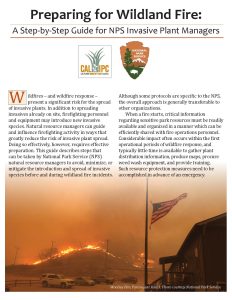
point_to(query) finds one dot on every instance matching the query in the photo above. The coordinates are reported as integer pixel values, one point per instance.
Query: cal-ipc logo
(95, 61)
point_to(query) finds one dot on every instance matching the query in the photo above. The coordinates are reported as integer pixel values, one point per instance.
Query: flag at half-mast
(162, 208)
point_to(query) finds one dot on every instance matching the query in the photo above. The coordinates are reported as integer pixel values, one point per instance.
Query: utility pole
(16, 254)
(107, 245)
(52, 247)
(146, 240)
(106, 255)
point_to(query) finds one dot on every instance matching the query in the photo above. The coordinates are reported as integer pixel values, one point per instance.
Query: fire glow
(139, 261)
(69, 250)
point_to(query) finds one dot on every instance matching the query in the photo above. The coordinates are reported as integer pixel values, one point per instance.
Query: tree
(47, 253)
(127, 57)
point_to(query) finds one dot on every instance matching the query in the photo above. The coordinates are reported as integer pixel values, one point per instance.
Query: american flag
(162, 208)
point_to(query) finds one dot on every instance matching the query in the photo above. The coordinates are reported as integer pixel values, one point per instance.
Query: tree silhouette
(127, 57)
(47, 253)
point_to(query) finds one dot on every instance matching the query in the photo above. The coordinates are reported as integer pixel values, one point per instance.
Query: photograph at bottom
(114, 235)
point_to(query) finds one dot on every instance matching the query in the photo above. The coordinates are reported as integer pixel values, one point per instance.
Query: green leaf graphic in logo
(95, 58)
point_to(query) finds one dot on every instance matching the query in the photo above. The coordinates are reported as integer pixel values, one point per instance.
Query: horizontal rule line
(116, 24)
(120, 37)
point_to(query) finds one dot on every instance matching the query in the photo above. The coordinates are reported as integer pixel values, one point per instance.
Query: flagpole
(146, 239)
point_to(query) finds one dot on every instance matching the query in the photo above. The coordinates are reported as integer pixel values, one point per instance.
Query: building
(200, 264)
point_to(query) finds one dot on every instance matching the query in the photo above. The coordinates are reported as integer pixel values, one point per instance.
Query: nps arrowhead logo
(134, 58)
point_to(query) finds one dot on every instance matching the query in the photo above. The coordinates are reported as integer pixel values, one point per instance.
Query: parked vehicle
(56, 280)
(129, 279)
(103, 279)
(84, 281)
(7, 288)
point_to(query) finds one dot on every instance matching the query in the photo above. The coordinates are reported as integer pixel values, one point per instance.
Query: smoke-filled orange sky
(81, 210)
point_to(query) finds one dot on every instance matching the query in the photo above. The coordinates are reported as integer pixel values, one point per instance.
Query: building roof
(217, 221)
(168, 259)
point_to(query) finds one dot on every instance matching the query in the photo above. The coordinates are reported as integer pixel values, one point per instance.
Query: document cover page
(115, 151)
